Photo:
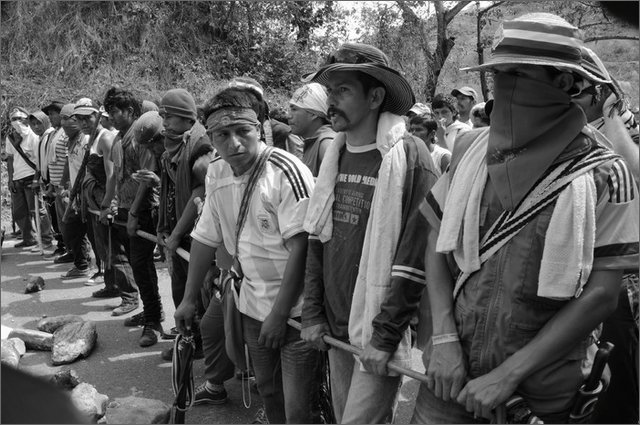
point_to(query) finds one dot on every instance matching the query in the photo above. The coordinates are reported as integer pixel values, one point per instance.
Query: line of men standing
(360, 235)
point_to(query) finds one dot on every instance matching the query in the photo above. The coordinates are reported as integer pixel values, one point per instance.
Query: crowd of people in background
(495, 236)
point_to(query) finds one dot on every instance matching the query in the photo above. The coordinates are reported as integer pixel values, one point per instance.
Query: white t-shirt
(276, 213)
(29, 145)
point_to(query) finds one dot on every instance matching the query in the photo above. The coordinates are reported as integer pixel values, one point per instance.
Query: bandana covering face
(532, 122)
(17, 113)
(231, 116)
(20, 128)
(311, 97)
(172, 142)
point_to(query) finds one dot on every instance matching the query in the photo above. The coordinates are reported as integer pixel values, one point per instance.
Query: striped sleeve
(617, 233)
(620, 182)
(296, 184)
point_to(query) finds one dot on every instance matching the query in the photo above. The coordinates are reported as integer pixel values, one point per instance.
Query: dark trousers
(619, 404)
(179, 272)
(74, 233)
(218, 367)
(23, 208)
(117, 273)
(139, 251)
(50, 205)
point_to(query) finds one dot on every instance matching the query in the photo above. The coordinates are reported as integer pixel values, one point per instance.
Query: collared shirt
(276, 213)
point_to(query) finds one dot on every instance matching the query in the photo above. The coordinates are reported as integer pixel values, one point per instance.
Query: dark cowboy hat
(55, 105)
(399, 97)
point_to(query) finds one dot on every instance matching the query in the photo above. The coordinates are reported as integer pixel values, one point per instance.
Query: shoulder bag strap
(246, 197)
(24, 156)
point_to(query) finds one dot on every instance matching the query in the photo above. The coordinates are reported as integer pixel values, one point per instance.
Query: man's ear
(564, 81)
(376, 96)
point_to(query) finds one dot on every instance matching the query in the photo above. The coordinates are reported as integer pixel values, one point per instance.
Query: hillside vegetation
(69, 49)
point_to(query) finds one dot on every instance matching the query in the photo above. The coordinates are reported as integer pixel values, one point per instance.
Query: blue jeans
(287, 378)
(361, 397)
(433, 410)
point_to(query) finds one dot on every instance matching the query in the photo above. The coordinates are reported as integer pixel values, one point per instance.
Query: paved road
(118, 367)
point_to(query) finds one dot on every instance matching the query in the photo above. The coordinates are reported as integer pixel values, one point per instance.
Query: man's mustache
(336, 111)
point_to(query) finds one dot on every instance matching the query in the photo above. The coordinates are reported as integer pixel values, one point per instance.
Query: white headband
(312, 97)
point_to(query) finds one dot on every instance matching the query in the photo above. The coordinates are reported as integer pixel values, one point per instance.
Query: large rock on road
(34, 340)
(51, 324)
(73, 341)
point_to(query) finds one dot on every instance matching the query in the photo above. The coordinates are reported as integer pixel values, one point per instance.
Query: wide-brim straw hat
(539, 39)
(399, 97)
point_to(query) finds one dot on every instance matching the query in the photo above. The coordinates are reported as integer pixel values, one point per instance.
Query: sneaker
(95, 279)
(150, 334)
(59, 251)
(64, 258)
(25, 244)
(260, 417)
(206, 396)
(45, 247)
(138, 319)
(106, 293)
(75, 272)
(124, 308)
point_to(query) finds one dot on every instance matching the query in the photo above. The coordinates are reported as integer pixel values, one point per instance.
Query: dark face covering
(532, 123)
(172, 142)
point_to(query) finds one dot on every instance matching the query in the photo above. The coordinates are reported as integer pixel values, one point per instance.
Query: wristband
(133, 215)
(444, 339)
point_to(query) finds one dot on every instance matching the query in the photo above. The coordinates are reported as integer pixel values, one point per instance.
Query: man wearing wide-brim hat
(365, 268)
(530, 230)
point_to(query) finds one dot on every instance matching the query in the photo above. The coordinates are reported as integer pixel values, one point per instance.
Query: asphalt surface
(118, 366)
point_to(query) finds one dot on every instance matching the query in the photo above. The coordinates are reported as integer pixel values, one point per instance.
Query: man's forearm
(10, 167)
(292, 281)
(189, 215)
(439, 288)
(313, 307)
(395, 314)
(201, 257)
(143, 188)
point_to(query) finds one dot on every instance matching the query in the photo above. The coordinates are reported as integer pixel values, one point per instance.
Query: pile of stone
(68, 337)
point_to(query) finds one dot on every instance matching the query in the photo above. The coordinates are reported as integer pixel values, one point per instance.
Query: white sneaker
(96, 279)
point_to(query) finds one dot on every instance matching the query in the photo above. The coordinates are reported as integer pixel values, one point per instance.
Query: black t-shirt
(357, 177)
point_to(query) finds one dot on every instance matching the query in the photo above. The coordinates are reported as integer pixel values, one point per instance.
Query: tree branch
(408, 13)
(488, 8)
(611, 37)
(451, 13)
